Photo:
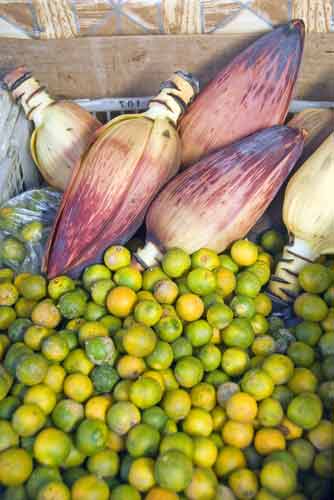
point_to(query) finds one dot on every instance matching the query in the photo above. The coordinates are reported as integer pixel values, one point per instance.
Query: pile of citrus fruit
(171, 383)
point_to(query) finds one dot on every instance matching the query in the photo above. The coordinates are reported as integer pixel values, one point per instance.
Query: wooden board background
(135, 65)
(47, 19)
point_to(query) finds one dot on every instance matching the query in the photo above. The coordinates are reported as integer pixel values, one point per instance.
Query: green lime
(24, 307)
(170, 427)
(112, 323)
(282, 456)
(104, 377)
(72, 304)
(178, 441)
(173, 470)
(182, 347)
(314, 278)
(328, 323)
(205, 258)
(326, 344)
(34, 287)
(18, 328)
(155, 417)
(128, 276)
(326, 393)
(94, 311)
(121, 390)
(116, 257)
(12, 251)
(328, 367)
(8, 436)
(263, 345)
(310, 307)
(32, 232)
(303, 380)
(188, 371)
(169, 328)
(31, 369)
(257, 383)
(91, 436)
(125, 492)
(55, 348)
(219, 316)
(8, 294)
(234, 361)
(283, 394)
(272, 241)
(259, 324)
(176, 262)
(161, 357)
(95, 273)
(7, 317)
(301, 354)
(182, 285)
(329, 296)
(216, 378)
(305, 410)
(279, 367)
(209, 355)
(308, 332)
(101, 350)
(239, 333)
(316, 369)
(100, 289)
(165, 291)
(243, 307)
(40, 476)
(60, 285)
(104, 463)
(67, 414)
(7, 407)
(279, 478)
(261, 271)
(198, 332)
(270, 412)
(323, 464)
(145, 392)
(201, 281)
(211, 299)
(122, 416)
(143, 440)
(303, 452)
(228, 263)
(248, 284)
(263, 304)
(151, 276)
(148, 312)
(70, 337)
(6, 275)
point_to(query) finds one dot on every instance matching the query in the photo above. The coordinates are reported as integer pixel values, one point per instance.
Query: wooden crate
(135, 65)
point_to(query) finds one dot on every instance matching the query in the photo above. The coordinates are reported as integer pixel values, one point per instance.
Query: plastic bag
(17, 169)
(25, 224)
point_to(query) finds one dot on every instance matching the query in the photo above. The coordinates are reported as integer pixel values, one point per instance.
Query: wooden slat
(135, 65)
(55, 18)
(316, 14)
(181, 16)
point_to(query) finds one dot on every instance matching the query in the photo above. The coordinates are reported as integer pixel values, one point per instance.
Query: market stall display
(197, 365)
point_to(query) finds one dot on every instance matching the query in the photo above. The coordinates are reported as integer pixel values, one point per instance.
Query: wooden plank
(181, 16)
(135, 65)
(316, 14)
(55, 19)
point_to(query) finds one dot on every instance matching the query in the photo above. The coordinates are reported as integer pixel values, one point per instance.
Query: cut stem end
(149, 256)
